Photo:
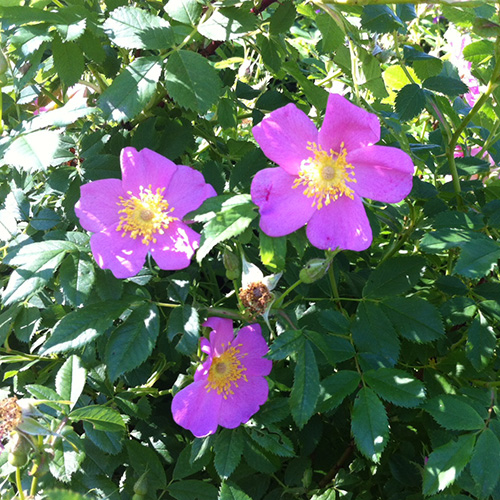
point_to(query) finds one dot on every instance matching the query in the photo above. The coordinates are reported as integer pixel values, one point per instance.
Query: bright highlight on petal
(229, 387)
(325, 176)
(343, 167)
(145, 215)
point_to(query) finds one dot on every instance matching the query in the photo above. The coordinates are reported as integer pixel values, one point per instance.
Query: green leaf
(133, 341)
(485, 466)
(63, 116)
(380, 19)
(414, 318)
(134, 28)
(77, 277)
(277, 444)
(45, 219)
(70, 380)
(394, 277)
(446, 238)
(227, 24)
(396, 386)
(305, 390)
(481, 343)
(143, 458)
(272, 252)
(479, 52)
(68, 61)
(446, 463)
(477, 258)
(335, 349)
(331, 33)
(191, 489)
(184, 11)
(283, 18)
(374, 334)
(337, 387)
(370, 426)
(410, 101)
(234, 216)
(191, 81)
(48, 394)
(286, 344)
(37, 263)
(109, 442)
(102, 418)
(67, 457)
(184, 320)
(228, 449)
(446, 85)
(36, 151)
(232, 492)
(454, 413)
(82, 326)
(131, 90)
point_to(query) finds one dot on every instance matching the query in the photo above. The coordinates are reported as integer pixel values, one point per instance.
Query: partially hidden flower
(77, 95)
(256, 289)
(229, 387)
(142, 213)
(323, 175)
(457, 43)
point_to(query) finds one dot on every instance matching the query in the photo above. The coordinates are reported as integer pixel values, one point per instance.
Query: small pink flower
(229, 387)
(323, 175)
(143, 213)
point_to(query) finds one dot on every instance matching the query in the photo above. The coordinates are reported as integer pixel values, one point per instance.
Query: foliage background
(384, 381)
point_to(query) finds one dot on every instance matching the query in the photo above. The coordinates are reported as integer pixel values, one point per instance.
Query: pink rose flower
(323, 175)
(142, 213)
(229, 387)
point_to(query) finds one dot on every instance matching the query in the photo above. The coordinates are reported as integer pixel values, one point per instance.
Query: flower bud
(314, 270)
(232, 264)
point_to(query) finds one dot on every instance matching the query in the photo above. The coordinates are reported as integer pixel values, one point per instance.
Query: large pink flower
(229, 387)
(323, 175)
(142, 213)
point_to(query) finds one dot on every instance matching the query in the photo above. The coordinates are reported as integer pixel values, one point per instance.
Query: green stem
(19, 484)
(280, 299)
(34, 485)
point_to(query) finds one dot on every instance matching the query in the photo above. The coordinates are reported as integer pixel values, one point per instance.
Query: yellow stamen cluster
(144, 215)
(225, 371)
(325, 175)
(10, 416)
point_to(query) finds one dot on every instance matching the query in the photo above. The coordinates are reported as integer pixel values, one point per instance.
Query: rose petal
(187, 190)
(196, 409)
(174, 249)
(347, 123)
(247, 399)
(284, 135)
(343, 223)
(145, 168)
(251, 341)
(222, 333)
(124, 256)
(283, 209)
(382, 173)
(98, 207)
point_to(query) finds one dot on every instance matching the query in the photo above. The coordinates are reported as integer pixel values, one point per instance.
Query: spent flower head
(229, 386)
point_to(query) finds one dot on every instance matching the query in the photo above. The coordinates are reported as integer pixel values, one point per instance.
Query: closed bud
(314, 270)
(3, 63)
(232, 264)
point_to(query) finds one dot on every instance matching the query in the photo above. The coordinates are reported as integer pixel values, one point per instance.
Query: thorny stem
(338, 465)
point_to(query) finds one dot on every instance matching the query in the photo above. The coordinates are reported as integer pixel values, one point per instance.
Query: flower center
(325, 175)
(255, 297)
(144, 215)
(10, 417)
(225, 371)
